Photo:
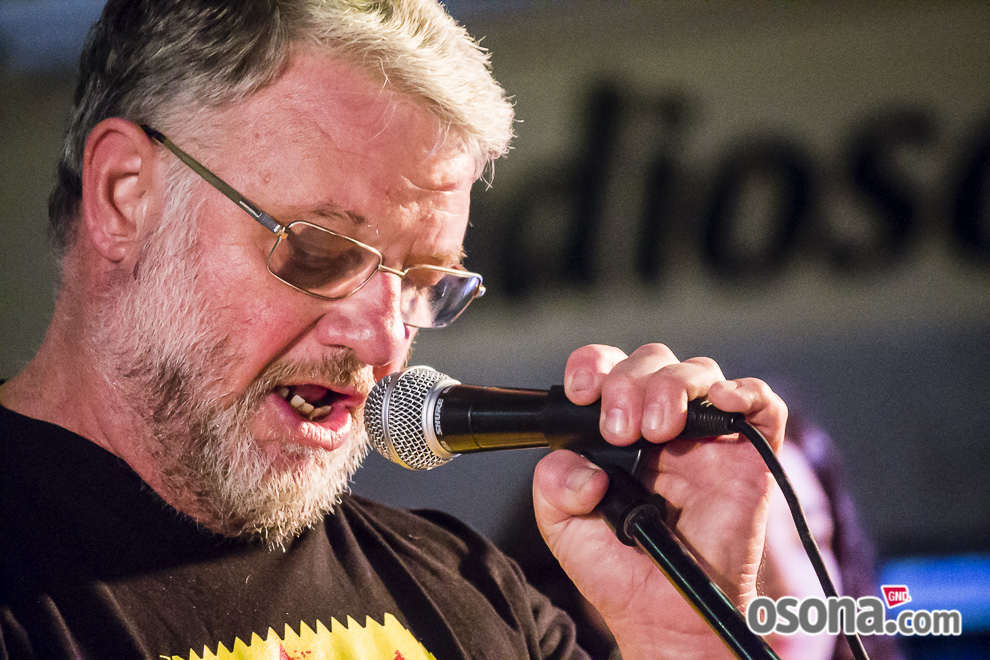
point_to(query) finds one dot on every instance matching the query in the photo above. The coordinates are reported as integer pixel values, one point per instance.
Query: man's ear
(118, 188)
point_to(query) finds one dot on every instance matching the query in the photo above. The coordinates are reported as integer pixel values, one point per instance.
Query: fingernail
(615, 421)
(653, 418)
(579, 478)
(582, 380)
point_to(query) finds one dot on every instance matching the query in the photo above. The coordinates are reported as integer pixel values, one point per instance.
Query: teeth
(320, 412)
(300, 404)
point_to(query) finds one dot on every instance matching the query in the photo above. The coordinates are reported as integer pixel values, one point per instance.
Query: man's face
(210, 349)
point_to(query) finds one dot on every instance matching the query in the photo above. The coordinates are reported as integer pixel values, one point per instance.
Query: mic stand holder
(637, 518)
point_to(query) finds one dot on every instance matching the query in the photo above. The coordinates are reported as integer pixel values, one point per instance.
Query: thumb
(565, 485)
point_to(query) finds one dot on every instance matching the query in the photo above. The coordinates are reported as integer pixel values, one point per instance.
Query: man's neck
(61, 386)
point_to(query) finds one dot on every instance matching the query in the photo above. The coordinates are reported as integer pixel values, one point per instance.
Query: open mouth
(314, 402)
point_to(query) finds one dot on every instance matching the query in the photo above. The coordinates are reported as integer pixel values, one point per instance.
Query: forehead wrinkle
(327, 115)
(403, 254)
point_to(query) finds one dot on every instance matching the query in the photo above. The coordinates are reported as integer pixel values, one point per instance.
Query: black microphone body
(470, 418)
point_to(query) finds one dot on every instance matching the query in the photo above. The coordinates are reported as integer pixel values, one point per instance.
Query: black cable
(753, 434)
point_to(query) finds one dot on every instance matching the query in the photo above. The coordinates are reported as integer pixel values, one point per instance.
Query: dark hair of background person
(854, 551)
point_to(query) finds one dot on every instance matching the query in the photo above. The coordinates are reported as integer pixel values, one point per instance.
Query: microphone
(421, 418)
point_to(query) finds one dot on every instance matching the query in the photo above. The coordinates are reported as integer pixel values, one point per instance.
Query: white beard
(164, 356)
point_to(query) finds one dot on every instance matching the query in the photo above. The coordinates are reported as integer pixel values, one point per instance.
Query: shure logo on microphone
(436, 417)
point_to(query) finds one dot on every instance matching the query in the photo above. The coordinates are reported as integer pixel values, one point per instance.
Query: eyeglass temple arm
(268, 221)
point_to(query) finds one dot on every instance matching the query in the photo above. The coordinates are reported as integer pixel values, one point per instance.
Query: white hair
(160, 61)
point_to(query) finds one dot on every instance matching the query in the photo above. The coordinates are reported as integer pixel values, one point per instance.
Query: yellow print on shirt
(374, 641)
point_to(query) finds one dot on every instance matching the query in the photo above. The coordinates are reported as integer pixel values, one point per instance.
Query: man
(258, 205)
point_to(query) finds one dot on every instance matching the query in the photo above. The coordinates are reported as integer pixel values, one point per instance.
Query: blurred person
(814, 467)
(258, 206)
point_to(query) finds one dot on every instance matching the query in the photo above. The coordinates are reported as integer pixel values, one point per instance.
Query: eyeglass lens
(320, 262)
(334, 266)
(432, 298)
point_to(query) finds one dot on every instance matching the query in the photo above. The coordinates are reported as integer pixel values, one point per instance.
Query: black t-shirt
(93, 564)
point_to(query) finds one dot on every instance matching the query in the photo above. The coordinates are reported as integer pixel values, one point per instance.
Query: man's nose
(369, 322)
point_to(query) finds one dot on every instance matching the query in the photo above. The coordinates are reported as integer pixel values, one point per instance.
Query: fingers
(566, 485)
(645, 394)
(762, 406)
(667, 392)
(586, 370)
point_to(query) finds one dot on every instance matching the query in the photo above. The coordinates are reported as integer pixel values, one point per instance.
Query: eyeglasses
(330, 266)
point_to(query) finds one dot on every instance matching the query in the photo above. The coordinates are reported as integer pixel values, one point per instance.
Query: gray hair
(156, 61)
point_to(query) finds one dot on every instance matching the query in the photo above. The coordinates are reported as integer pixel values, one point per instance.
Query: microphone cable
(707, 420)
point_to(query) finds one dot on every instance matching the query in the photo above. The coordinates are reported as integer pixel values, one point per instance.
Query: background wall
(832, 150)
(797, 189)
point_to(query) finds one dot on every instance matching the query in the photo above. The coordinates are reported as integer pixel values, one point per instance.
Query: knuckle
(598, 356)
(758, 387)
(655, 350)
(706, 363)
(679, 372)
(582, 354)
(666, 377)
(618, 384)
(665, 385)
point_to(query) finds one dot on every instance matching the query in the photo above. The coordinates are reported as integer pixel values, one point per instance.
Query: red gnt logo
(895, 595)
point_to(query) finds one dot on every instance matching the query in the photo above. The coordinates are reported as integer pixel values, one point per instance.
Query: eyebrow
(332, 210)
(455, 257)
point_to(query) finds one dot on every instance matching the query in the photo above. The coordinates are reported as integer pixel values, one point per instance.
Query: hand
(717, 493)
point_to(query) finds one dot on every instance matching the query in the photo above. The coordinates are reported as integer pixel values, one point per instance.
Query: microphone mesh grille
(393, 416)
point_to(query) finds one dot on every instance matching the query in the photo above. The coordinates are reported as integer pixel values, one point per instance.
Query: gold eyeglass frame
(282, 231)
